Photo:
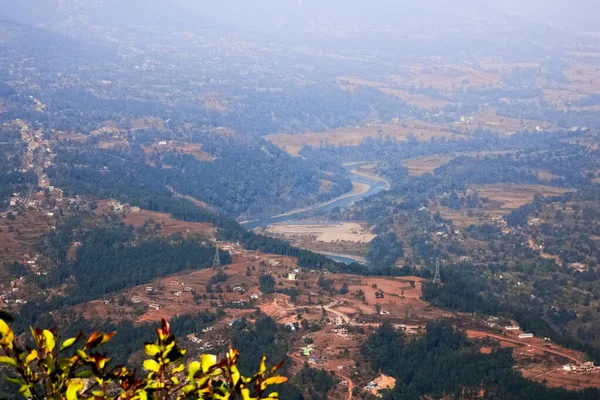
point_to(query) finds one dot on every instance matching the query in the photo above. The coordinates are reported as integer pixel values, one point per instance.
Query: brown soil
(169, 225)
(421, 165)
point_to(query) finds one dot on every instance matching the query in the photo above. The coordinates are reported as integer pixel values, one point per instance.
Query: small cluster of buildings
(382, 382)
(586, 367)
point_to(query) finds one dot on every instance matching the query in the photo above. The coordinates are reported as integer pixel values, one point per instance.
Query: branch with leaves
(75, 369)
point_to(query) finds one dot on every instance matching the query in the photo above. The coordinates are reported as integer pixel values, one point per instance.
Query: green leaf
(151, 365)
(68, 343)
(84, 374)
(8, 361)
(16, 381)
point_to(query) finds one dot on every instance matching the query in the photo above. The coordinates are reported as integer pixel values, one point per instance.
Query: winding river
(375, 185)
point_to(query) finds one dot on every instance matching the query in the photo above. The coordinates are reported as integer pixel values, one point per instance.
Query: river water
(375, 186)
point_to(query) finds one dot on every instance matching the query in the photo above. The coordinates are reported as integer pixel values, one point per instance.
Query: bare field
(582, 81)
(558, 96)
(417, 99)
(491, 121)
(500, 66)
(65, 136)
(347, 231)
(352, 136)
(502, 198)
(422, 165)
(460, 218)
(112, 144)
(546, 175)
(513, 196)
(446, 77)
(193, 149)
(169, 225)
(583, 78)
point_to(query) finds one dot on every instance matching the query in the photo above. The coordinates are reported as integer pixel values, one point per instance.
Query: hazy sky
(583, 14)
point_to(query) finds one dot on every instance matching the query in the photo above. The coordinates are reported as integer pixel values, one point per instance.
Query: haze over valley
(395, 199)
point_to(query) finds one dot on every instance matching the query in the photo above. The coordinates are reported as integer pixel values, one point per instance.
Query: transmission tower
(436, 278)
(217, 260)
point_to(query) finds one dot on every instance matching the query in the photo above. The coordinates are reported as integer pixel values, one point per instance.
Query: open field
(323, 232)
(500, 66)
(168, 224)
(501, 199)
(490, 120)
(352, 136)
(420, 100)
(560, 96)
(445, 77)
(513, 196)
(582, 82)
(422, 165)
(193, 149)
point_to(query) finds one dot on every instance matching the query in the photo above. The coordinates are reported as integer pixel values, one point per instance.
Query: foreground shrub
(74, 369)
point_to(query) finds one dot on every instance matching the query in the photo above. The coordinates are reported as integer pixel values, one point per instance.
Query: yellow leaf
(31, 357)
(68, 343)
(246, 394)
(6, 335)
(193, 368)
(49, 338)
(235, 375)
(178, 369)
(151, 349)
(4, 328)
(274, 380)
(151, 365)
(74, 386)
(207, 361)
(263, 366)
